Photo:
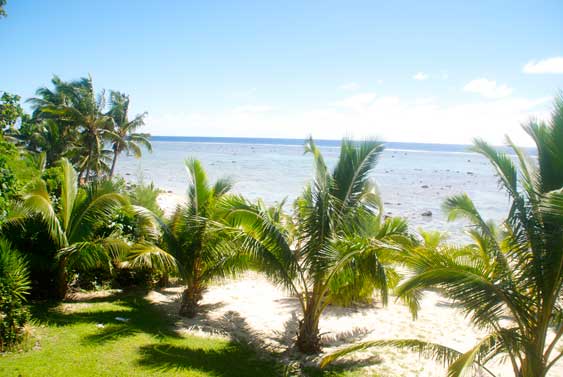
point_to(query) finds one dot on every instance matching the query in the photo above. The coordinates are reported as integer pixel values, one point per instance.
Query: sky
(413, 71)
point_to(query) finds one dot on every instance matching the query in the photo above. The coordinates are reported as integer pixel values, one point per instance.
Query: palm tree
(51, 133)
(123, 136)
(194, 237)
(514, 272)
(73, 220)
(76, 105)
(335, 238)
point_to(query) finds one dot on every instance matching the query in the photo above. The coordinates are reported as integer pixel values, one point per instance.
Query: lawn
(71, 342)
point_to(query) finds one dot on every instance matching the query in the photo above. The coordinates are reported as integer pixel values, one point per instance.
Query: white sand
(168, 201)
(253, 310)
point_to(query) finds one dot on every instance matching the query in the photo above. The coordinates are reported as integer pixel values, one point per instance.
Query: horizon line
(302, 139)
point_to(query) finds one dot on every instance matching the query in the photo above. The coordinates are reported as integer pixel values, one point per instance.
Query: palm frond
(434, 351)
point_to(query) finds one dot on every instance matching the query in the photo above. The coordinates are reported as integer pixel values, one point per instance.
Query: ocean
(412, 178)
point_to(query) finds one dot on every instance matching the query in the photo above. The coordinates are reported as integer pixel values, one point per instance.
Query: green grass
(70, 344)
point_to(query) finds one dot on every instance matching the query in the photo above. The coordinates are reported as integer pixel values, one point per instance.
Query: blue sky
(398, 70)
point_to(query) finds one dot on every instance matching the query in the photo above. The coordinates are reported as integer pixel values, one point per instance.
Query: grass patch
(70, 343)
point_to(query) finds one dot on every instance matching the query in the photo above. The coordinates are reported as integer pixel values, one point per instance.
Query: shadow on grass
(232, 360)
(139, 314)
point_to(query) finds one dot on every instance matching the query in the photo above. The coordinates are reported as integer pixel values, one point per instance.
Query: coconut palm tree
(73, 220)
(75, 105)
(335, 238)
(514, 273)
(123, 136)
(50, 132)
(194, 237)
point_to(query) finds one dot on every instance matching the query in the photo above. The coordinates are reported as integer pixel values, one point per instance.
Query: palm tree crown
(123, 137)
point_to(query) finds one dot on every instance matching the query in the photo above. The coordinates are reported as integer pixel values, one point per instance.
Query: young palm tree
(194, 238)
(516, 273)
(334, 239)
(123, 137)
(73, 220)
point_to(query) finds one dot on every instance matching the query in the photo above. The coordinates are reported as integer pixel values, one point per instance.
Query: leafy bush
(14, 286)
(8, 181)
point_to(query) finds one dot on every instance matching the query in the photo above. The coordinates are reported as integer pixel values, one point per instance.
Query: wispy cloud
(357, 102)
(253, 109)
(551, 65)
(350, 86)
(487, 88)
(420, 76)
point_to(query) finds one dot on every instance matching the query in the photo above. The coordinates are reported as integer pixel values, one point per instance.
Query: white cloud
(356, 102)
(420, 76)
(350, 86)
(380, 81)
(387, 117)
(488, 88)
(551, 65)
(253, 109)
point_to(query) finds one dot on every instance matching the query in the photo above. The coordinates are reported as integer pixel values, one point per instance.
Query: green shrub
(14, 286)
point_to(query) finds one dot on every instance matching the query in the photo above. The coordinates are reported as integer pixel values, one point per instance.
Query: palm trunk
(190, 301)
(164, 280)
(533, 365)
(308, 338)
(87, 173)
(62, 285)
(113, 163)
(88, 164)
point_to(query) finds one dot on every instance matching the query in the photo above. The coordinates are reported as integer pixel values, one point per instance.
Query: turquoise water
(412, 178)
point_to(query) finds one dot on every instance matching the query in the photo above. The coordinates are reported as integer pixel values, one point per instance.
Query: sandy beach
(251, 309)
(168, 201)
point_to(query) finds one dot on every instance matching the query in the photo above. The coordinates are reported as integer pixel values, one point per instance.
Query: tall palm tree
(515, 272)
(51, 134)
(73, 220)
(194, 237)
(76, 104)
(335, 237)
(123, 136)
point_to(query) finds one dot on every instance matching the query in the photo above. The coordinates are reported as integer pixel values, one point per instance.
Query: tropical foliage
(509, 281)
(73, 220)
(72, 121)
(14, 286)
(335, 240)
